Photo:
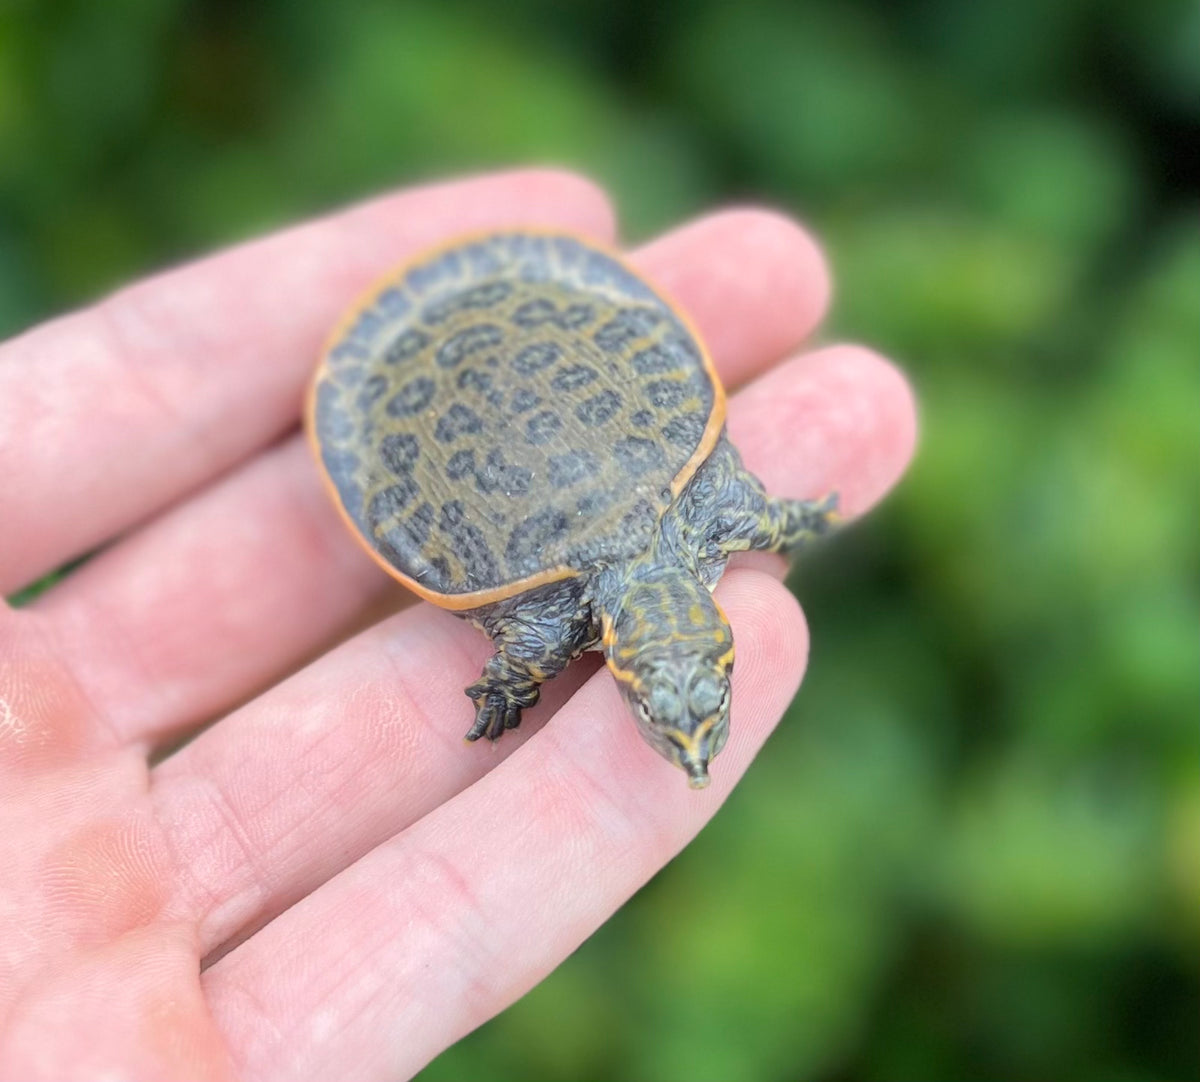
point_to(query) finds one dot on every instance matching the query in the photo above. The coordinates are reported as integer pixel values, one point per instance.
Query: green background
(973, 848)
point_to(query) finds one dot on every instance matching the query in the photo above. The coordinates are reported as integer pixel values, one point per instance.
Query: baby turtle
(520, 428)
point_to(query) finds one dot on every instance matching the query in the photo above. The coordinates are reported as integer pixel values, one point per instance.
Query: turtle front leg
(785, 525)
(506, 686)
(535, 636)
(744, 517)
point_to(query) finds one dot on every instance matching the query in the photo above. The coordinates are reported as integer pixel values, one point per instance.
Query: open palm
(326, 882)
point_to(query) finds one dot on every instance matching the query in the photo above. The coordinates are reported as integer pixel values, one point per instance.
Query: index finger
(450, 920)
(108, 414)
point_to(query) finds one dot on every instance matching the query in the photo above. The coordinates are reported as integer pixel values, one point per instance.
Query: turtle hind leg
(536, 636)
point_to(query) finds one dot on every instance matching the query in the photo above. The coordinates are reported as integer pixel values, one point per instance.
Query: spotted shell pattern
(508, 410)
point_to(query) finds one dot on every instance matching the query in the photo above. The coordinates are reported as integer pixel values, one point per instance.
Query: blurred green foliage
(973, 849)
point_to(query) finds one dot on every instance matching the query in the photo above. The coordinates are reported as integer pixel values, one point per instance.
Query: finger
(268, 804)
(755, 283)
(829, 396)
(243, 582)
(446, 924)
(839, 419)
(111, 413)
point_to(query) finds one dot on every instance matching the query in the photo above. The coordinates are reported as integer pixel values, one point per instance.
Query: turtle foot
(498, 707)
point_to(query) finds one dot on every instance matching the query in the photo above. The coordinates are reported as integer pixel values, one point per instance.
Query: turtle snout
(697, 750)
(697, 769)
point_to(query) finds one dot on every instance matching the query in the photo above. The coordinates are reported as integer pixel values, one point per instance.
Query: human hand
(327, 882)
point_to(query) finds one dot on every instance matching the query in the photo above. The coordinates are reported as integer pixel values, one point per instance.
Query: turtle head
(671, 650)
(683, 713)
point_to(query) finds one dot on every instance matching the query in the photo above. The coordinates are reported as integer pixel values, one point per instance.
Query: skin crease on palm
(326, 882)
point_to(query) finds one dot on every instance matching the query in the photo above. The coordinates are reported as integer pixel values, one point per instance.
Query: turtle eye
(664, 705)
(706, 694)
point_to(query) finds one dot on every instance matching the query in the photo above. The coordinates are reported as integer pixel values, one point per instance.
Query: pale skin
(303, 891)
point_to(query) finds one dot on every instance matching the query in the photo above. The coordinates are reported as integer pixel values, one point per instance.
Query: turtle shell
(510, 410)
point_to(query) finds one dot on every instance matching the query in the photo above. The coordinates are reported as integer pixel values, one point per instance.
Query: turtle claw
(498, 709)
